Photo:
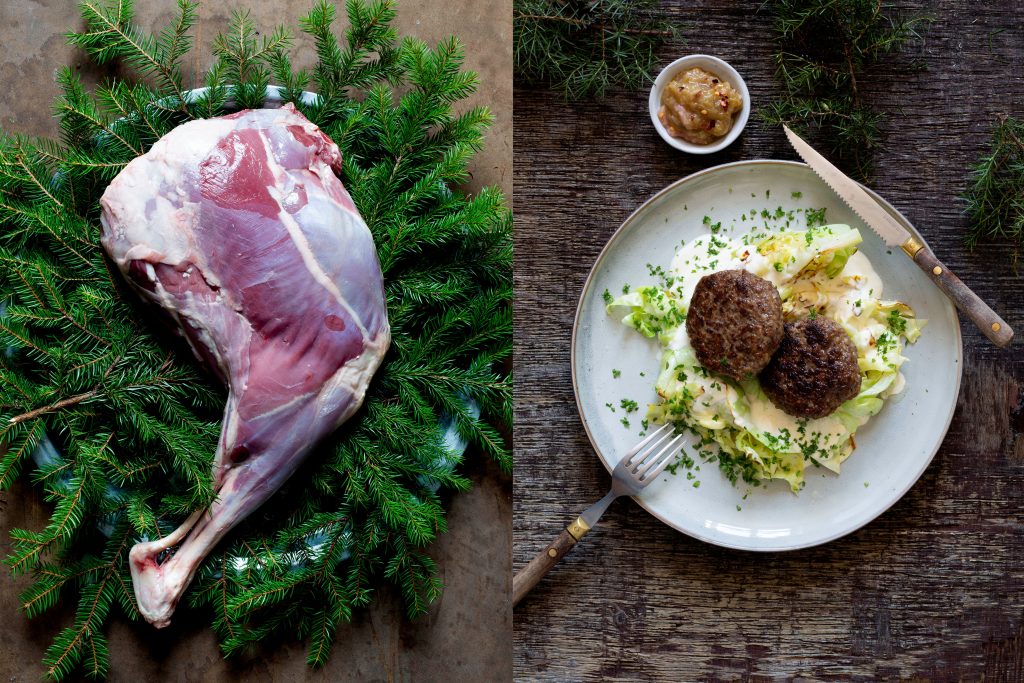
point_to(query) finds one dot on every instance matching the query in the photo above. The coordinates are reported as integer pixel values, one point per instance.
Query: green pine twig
(110, 35)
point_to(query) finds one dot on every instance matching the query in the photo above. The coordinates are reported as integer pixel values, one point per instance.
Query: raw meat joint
(239, 228)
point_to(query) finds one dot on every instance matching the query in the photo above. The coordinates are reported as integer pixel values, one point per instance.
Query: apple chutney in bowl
(699, 104)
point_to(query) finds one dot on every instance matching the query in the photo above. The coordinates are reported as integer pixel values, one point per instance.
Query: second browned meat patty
(815, 369)
(734, 323)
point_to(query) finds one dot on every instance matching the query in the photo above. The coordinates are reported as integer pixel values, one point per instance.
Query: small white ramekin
(724, 71)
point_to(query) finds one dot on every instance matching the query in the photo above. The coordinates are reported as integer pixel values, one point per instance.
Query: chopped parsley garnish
(687, 401)
(607, 296)
(815, 217)
(896, 323)
(616, 373)
(885, 343)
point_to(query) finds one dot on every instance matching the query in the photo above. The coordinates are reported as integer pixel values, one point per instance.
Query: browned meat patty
(734, 323)
(815, 369)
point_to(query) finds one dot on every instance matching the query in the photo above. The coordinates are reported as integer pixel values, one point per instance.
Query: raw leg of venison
(239, 228)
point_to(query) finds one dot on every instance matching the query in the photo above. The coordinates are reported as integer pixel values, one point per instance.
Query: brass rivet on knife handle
(892, 232)
(987, 320)
(578, 529)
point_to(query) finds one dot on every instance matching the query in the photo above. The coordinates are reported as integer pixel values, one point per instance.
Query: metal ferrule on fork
(638, 468)
(578, 529)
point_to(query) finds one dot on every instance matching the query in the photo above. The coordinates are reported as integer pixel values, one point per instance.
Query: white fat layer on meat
(229, 430)
(302, 244)
(191, 311)
(285, 407)
(132, 237)
(355, 377)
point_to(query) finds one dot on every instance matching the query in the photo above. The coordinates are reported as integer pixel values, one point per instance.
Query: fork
(635, 471)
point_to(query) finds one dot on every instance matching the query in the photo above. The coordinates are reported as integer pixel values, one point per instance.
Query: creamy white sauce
(795, 263)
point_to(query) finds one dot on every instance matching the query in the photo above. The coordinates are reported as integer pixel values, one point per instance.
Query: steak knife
(895, 235)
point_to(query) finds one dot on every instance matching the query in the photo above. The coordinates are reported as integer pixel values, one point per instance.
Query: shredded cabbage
(818, 271)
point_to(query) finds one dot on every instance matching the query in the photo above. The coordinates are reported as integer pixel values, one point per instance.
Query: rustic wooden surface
(932, 590)
(467, 633)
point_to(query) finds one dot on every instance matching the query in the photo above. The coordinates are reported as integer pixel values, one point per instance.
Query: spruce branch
(369, 54)
(63, 403)
(83, 643)
(243, 58)
(110, 35)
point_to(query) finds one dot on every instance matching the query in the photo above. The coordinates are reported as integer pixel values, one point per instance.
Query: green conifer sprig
(109, 35)
(825, 51)
(583, 47)
(995, 197)
(91, 371)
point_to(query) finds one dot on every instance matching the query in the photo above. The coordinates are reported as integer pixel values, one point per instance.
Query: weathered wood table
(932, 589)
(466, 634)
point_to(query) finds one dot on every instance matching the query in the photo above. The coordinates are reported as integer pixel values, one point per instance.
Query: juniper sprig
(117, 423)
(582, 48)
(995, 198)
(825, 50)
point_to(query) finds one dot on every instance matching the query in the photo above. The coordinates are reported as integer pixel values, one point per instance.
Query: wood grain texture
(466, 634)
(932, 590)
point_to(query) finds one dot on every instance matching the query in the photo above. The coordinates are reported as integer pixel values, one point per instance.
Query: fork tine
(657, 470)
(636, 459)
(640, 458)
(663, 456)
(636, 449)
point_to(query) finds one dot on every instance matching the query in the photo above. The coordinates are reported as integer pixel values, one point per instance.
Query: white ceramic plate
(893, 448)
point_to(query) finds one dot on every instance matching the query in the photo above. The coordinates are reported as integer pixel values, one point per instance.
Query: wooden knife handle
(994, 327)
(530, 575)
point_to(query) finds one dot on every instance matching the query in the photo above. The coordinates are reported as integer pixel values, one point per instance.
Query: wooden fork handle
(530, 575)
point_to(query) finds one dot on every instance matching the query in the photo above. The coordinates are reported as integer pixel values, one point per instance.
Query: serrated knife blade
(894, 234)
(877, 218)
